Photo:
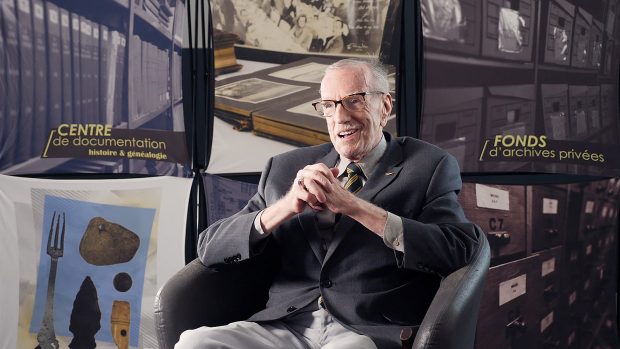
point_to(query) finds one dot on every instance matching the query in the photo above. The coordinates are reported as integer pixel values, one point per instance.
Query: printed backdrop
(82, 263)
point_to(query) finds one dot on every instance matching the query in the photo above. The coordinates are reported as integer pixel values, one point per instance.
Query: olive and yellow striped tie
(355, 175)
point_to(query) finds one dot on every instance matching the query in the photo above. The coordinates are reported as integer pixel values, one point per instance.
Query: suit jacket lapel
(308, 218)
(385, 173)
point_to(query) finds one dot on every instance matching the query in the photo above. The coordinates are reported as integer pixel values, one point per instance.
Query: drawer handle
(549, 293)
(516, 327)
(498, 237)
(551, 233)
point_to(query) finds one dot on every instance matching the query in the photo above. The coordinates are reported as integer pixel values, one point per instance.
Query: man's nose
(341, 114)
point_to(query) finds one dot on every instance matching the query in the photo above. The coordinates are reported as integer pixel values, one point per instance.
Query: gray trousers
(306, 330)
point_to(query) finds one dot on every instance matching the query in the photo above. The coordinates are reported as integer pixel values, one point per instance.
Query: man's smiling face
(354, 134)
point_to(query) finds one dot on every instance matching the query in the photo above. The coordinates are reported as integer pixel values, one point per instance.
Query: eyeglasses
(353, 102)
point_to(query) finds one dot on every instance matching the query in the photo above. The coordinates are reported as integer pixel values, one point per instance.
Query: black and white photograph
(310, 72)
(305, 108)
(334, 27)
(256, 90)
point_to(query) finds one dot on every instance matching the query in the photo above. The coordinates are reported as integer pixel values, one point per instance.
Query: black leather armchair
(200, 296)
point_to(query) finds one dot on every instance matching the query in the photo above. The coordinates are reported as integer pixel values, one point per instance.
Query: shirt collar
(368, 163)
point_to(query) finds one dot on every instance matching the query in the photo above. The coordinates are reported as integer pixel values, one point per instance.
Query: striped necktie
(355, 175)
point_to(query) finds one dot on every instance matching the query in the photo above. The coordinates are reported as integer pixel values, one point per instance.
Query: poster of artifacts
(80, 93)
(523, 85)
(333, 27)
(82, 263)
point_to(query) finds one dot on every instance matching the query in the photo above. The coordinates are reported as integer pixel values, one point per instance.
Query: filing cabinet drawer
(508, 31)
(558, 40)
(578, 116)
(500, 211)
(581, 39)
(607, 214)
(509, 309)
(510, 111)
(555, 110)
(451, 121)
(549, 328)
(587, 216)
(594, 109)
(573, 262)
(609, 109)
(546, 216)
(570, 339)
(551, 269)
(457, 32)
(596, 44)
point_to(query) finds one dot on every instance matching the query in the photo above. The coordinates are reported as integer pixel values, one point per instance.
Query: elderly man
(365, 228)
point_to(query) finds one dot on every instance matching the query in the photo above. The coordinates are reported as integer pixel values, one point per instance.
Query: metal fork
(46, 336)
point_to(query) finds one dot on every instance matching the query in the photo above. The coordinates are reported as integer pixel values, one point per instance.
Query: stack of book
(277, 102)
(225, 59)
(159, 10)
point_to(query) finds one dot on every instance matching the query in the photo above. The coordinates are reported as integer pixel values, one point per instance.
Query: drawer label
(511, 289)
(550, 206)
(489, 197)
(604, 212)
(589, 207)
(548, 266)
(546, 322)
(572, 298)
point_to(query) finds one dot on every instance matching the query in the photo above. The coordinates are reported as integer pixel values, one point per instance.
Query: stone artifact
(107, 243)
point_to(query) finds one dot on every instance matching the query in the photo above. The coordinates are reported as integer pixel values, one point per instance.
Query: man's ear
(386, 108)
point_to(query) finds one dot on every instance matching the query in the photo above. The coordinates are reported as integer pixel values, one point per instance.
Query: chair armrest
(199, 296)
(451, 319)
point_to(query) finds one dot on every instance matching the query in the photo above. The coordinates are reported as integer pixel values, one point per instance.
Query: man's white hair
(375, 72)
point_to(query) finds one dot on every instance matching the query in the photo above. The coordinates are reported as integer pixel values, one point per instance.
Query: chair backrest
(450, 322)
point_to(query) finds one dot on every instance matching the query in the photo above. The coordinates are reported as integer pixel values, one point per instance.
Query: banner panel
(523, 85)
(86, 263)
(92, 88)
(263, 100)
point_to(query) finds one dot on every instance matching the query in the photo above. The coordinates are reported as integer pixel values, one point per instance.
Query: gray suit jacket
(366, 285)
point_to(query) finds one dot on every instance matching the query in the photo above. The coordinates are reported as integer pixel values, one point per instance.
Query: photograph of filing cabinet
(509, 310)
(508, 29)
(546, 67)
(450, 120)
(578, 113)
(500, 211)
(555, 110)
(452, 26)
(581, 39)
(559, 292)
(546, 216)
(559, 28)
(510, 110)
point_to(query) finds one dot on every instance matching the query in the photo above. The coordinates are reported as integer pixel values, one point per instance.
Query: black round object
(122, 282)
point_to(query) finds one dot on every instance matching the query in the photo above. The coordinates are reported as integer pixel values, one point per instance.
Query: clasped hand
(317, 186)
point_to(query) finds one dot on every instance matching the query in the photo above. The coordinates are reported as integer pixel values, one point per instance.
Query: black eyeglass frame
(362, 94)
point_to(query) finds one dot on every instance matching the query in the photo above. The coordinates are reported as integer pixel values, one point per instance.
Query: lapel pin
(389, 173)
